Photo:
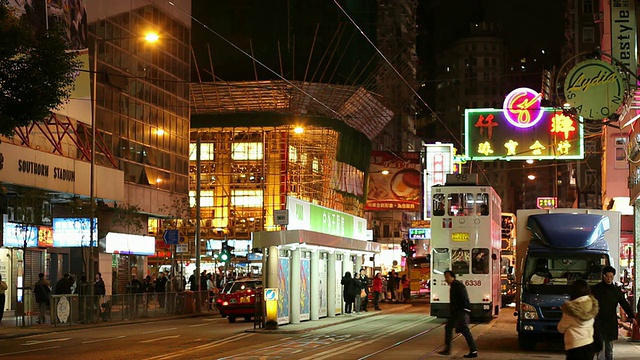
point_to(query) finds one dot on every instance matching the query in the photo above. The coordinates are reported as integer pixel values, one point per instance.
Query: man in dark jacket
(609, 296)
(42, 289)
(63, 286)
(459, 308)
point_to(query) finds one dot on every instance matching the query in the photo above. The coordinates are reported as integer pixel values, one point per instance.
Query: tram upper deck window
(461, 204)
(441, 260)
(438, 204)
(482, 202)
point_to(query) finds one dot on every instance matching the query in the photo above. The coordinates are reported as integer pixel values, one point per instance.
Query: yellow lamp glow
(160, 132)
(298, 130)
(151, 37)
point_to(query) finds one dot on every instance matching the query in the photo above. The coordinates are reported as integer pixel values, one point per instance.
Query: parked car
(238, 299)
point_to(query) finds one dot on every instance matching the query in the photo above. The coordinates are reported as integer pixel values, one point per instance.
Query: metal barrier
(258, 314)
(71, 309)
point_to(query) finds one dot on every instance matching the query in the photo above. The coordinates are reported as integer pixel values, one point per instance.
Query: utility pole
(198, 218)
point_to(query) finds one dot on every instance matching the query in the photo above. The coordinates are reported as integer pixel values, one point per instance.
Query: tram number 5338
(473, 283)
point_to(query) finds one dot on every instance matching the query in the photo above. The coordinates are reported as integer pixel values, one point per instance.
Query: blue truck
(556, 248)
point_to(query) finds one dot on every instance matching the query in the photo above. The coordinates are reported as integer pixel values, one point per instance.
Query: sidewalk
(305, 326)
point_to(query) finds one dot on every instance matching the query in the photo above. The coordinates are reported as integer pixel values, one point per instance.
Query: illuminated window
(293, 154)
(247, 151)
(206, 151)
(315, 165)
(206, 198)
(246, 198)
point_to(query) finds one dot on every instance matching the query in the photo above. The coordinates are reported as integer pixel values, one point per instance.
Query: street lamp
(150, 37)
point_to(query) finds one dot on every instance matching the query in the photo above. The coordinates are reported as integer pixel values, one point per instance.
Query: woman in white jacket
(578, 315)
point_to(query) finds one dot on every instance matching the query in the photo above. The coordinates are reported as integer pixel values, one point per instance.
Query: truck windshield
(553, 273)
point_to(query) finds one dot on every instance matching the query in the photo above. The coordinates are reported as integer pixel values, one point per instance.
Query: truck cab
(563, 248)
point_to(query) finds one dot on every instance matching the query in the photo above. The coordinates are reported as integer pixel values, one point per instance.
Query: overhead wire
(229, 42)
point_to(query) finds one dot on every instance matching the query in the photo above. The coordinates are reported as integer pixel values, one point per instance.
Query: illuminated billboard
(520, 134)
(395, 181)
(16, 235)
(116, 243)
(74, 232)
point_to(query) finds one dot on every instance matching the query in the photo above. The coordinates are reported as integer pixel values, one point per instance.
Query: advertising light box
(522, 130)
(491, 136)
(419, 233)
(117, 243)
(15, 235)
(74, 232)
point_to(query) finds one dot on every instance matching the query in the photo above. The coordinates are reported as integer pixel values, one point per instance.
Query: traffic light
(225, 254)
(412, 249)
(404, 247)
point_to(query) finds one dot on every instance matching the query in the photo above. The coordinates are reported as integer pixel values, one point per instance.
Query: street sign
(281, 217)
(182, 248)
(171, 237)
(271, 294)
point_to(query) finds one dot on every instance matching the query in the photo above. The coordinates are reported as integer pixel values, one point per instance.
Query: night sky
(261, 26)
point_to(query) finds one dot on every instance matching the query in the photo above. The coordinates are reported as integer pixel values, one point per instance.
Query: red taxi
(238, 299)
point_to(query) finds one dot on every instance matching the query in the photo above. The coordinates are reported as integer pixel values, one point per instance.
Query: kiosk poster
(283, 290)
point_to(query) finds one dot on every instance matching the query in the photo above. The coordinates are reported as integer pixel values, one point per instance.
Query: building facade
(139, 109)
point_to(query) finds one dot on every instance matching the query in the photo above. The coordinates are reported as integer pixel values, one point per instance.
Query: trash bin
(189, 302)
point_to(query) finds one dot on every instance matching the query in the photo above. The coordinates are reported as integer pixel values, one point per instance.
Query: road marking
(36, 342)
(198, 325)
(157, 331)
(202, 347)
(330, 353)
(30, 350)
(152, 340)
(98, 340)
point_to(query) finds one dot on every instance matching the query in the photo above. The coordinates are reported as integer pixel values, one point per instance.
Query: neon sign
(522, 107)
(490, 135)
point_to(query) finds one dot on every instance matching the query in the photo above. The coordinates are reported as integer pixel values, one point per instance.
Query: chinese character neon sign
(491, 135)
(522, 107)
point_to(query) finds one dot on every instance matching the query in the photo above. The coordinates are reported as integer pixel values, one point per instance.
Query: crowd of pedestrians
(357, 290)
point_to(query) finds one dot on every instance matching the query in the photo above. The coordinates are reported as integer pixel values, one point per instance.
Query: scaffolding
(247, 172)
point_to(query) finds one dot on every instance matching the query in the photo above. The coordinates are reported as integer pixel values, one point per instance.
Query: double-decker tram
(466, 239)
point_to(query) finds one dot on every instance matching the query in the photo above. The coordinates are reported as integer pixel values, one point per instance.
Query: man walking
(609, 296)
(459, 308)
(42, 289)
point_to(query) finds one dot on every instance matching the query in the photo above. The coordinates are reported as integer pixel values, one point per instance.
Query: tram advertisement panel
(305, 289)
(323, 287)
(283, 290)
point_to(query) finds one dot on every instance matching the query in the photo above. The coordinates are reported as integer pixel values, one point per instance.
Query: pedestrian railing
(70, 309)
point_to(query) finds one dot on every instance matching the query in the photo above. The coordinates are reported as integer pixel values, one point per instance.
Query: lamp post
(150, 38)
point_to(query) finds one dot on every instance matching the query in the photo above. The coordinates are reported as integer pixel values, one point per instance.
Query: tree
(178, 217)
(30, 209)
(36, 70)
(129, 219)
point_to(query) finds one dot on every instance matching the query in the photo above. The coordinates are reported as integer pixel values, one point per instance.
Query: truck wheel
(526, 343)
(232, 319)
